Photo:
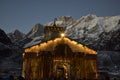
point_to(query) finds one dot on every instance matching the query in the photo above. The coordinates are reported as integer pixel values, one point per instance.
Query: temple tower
(52, 32)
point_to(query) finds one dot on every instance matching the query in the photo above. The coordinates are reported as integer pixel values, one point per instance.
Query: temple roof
(51, 44)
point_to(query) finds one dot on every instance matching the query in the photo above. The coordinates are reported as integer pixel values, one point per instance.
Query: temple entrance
(61, 62)
(62, 70)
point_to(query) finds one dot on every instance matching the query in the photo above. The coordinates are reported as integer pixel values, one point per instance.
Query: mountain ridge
(94, 31)
(91, 30)
(16, 35)
(36, 31)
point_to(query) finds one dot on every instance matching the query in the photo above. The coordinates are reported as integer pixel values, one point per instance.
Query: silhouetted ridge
(4, 38)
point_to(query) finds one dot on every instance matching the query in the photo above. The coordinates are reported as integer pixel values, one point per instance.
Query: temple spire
(54, 24)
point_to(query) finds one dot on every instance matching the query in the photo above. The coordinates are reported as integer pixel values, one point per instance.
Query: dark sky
(24, 14)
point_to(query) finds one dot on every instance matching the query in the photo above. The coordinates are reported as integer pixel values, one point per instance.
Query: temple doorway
(62, 70)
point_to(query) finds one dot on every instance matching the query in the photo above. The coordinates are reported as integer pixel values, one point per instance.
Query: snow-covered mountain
(99, 33)
(92, 26)
(30, 38)
(96, 32)
(16, 35)
(63, 21)
(36, 31)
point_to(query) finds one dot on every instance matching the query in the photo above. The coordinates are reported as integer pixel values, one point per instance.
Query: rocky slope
(4, 38)
(4, 41)
(109, 60)
(32, 35)
(36, 31)
(10, 56)
(63, 21)
(16, 35)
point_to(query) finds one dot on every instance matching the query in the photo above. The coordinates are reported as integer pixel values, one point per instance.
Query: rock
(4, 38)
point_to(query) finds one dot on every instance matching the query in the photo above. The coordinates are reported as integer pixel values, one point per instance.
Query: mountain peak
(16, 31)
(66, 18)
(88, 17)
(62, 21)
(4, 38)
(16, 35)
(36, 27)
(36, 31)
(92, 15)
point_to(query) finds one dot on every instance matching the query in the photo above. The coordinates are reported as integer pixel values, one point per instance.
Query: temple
(59, 58)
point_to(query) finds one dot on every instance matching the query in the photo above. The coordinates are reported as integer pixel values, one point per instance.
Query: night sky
(24, 14)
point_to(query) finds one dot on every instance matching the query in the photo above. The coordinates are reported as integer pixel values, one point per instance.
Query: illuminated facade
(59, 57)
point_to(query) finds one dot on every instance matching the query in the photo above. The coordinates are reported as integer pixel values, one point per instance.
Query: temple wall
(53, 57)
(42, 66)
(33, 67)
(82, 67)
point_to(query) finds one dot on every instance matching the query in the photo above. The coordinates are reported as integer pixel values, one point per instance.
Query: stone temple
(59, 58)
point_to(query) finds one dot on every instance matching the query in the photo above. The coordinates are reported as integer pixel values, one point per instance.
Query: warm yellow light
(62, 34)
